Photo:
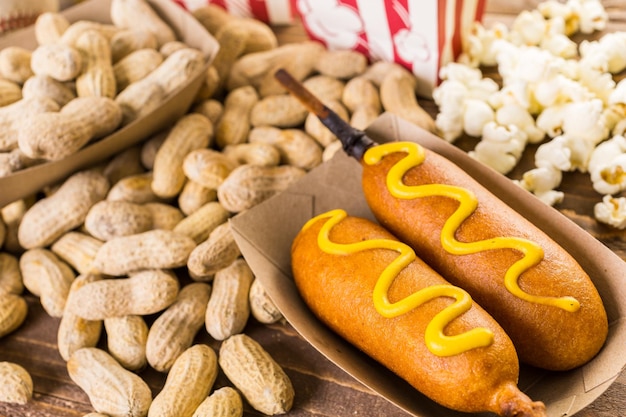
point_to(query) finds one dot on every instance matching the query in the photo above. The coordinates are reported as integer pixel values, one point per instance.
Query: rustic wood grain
(323, 390)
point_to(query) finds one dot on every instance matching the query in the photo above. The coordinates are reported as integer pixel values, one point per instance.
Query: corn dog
(536, 291)
(372, 290)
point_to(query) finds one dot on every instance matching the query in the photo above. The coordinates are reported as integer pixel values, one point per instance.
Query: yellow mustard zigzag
(436, 341)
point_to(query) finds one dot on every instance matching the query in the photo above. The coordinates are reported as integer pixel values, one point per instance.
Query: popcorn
(611, 211)
(584, 16)
(477, 114)
(581, 120)
(555, 153)
(556, 10)
(607, 150)
(606, 54)
(550, 88)
(558, 90)
(450, 97)
(513, 113)
(580, 152)
(551, 160)
(591, 15)
(618, 95)
(607, 166)
(559, 45)
(500, 146)
(527, 63)
(542, 182)
(615, 114)
(551, 120)
(463, 90)
(597, 82)
(611, 177)
(516, 91)
(449, 126)
(561, 154)
(620, 127)
(460, 73)
(550, 197)
(471, 78)
(529, 28)
(480, 44)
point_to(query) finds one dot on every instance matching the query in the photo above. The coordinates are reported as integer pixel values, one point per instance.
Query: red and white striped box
(421, 35)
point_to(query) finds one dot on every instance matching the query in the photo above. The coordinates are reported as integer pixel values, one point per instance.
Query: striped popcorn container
(421, 35)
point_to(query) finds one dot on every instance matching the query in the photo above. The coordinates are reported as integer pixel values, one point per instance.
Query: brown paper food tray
(266, 231)
(28, 181)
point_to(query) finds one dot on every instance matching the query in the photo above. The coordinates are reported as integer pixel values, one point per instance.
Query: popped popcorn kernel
(461, 100)
(591, 15)
(618, 95)
(611, 211)
(551, 120)
(601, 84)
(555, 153)
(480, 44)
(607, 166)
(612, 177)
(582, 120)
(528, 28)
(559, 45)
(514, 114)
(553, 9)
(501, 147)
(477, 114)
(607, 53)
(551, 197)
(541, 180)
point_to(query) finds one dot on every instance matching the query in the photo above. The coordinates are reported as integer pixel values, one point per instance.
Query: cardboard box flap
(265, 233)
(28, 181)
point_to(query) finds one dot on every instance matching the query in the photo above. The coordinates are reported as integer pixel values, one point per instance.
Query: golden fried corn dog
(373, 291)
(536, 291)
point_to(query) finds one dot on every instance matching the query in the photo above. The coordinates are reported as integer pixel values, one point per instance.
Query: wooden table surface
(322, 389)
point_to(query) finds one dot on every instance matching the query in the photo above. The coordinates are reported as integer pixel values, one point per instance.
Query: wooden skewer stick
(354, 141)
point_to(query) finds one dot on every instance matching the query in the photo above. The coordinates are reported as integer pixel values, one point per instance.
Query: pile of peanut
(84, 80)
(111, 245)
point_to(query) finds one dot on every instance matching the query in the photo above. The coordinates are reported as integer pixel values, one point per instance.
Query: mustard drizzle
(436, 341)
(532, 252)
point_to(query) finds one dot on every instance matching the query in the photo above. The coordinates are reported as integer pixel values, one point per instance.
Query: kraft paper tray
(265, 233)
